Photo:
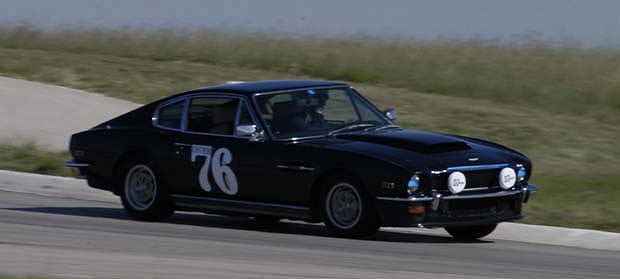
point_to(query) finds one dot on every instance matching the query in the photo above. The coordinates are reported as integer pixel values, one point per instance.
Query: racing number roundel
(216, 163)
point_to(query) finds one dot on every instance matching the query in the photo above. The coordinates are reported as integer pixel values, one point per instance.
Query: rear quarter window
(170, 116)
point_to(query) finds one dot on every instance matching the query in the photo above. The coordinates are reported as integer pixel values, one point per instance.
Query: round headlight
(456, 182)
(413, 184)
(521, 173)
(507, 178)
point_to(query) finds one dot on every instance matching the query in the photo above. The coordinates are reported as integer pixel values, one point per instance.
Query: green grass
(23, 277)
(28, 158)
(573, 143)
(572, 200)
(133, 79)
(565, 80)
(26, 277)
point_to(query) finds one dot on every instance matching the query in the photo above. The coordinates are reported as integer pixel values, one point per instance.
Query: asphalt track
(75, 238)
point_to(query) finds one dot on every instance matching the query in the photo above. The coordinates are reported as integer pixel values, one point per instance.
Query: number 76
(223, 175)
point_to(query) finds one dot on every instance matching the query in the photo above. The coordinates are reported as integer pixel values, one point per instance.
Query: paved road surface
(66, 187)
(47, 115)
(75, 238)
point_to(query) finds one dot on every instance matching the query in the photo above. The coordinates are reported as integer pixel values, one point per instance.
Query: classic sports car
(308, 150)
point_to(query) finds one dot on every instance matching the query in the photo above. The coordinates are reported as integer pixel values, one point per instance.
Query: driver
(314, 111)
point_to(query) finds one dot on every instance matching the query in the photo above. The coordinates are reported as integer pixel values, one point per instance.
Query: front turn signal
(417, 209)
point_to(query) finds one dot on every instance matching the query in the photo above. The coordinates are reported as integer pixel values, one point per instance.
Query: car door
(211, 159)
(286, 171)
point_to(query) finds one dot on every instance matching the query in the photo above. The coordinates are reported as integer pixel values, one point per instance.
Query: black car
(316, 151)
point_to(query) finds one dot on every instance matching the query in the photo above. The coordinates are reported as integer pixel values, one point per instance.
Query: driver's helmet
(311, 99)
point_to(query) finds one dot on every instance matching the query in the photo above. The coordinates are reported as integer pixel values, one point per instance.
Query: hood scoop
(423, 142)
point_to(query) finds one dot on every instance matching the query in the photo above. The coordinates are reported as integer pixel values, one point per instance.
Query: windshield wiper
(388, 126)
(350, 127)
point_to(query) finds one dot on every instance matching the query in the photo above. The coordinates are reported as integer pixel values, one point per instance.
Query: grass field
(567, 80)
(561, 107)
(28, 158)
(23, 277)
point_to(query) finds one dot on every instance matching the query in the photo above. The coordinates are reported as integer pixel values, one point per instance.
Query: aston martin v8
(316, 151)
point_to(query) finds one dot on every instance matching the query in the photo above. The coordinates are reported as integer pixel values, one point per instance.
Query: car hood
(425, 151)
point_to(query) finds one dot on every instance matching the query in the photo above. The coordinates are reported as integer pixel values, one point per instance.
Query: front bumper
(454, 210)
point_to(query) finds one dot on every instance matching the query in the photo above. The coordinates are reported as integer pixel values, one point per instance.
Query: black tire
(364, 218)
(157, 208)
(471, 232)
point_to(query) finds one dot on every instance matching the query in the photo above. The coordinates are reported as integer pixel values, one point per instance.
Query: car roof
(243, 88)
(248, 88)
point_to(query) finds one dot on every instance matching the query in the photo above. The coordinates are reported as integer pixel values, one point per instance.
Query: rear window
(171, 116)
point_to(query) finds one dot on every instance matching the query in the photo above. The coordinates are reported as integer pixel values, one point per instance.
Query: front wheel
(348, 210)
(142, 196)
(471, 232)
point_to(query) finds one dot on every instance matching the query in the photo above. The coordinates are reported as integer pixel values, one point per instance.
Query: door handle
(181, 144)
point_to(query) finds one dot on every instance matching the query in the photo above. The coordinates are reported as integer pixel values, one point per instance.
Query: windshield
(317, 112)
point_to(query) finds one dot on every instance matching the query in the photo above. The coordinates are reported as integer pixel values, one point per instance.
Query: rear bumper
(454, 210)
(84, 170)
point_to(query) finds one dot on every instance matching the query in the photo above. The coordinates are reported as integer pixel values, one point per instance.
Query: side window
(244, 115)
(171, 115)
(212, 115)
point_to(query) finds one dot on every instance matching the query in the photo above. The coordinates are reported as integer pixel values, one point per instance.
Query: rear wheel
(142, 196)
(348, 209)
(471, 232)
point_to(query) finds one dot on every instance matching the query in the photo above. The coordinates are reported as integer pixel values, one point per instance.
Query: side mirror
(249, 131)
(390, 114)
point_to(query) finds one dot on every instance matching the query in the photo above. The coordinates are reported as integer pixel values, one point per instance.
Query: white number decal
(223, 175)
(203, 176)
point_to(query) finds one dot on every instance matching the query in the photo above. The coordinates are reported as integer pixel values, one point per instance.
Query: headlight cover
(507, 178)
(457, 182)
(413, 184)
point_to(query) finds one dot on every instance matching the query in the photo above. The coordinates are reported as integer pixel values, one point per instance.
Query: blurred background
(542, 77)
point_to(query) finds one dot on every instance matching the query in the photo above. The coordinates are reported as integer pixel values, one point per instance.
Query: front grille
(482, 178)
(477, 208)
(476, 180)
(472, 208)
